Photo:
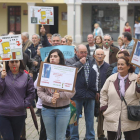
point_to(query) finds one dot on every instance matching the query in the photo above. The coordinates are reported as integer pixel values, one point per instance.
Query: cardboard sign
(135, 56)
(42, 15)
(10, 48)
(68, 51)
(57, 77)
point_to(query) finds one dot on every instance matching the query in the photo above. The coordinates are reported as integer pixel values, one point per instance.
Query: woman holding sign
(56, 110)
(16, 94)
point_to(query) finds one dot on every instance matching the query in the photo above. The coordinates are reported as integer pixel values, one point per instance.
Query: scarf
(122, 84)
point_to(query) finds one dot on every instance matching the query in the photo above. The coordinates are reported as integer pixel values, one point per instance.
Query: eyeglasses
(106, 39)
(83, 52)
(14, 61)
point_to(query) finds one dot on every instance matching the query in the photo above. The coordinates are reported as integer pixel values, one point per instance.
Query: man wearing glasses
(85, 90)
(109, 50)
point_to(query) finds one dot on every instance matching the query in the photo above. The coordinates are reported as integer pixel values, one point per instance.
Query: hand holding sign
(3, 73)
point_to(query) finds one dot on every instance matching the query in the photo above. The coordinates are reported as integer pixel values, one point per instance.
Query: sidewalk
(33, 135)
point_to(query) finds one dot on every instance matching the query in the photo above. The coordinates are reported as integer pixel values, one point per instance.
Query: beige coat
(115, 108)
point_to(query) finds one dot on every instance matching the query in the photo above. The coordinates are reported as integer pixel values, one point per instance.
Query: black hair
(21, 67)
(128, 36)
(126, 23)
(60, 54)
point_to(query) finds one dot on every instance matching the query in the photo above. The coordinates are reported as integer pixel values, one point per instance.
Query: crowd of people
(105, 76)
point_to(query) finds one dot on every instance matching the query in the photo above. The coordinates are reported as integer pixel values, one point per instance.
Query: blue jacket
(82, 89)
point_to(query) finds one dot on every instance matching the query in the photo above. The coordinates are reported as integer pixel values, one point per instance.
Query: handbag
(133, 112)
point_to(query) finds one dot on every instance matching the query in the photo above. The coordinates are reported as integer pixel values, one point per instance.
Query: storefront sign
(42, 15)
(135, 57)
(110, 1)
(57, 77)
(10, 48)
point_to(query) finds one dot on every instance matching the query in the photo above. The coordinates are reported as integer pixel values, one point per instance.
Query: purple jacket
(15, 94)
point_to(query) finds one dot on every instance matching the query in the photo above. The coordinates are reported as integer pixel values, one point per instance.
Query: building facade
(81, 15)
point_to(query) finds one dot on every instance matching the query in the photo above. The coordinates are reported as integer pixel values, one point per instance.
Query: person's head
(136, 22)
(90, 38)
(49, 36)
(15, 66)
(96, 25)
(107, 41)
(124, 67)
(56, 39)
(99, 55)
(11, 33)
(126, 36)
(63, 41)
(69, 39)
(126, 24)
(24, 36)
(81, 51)
(56, 57)
(98, 39)
(122, 53)
(35, 39)
(120, 41)
(38, 49)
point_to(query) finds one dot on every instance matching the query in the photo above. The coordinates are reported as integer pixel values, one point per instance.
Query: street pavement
(31, 132)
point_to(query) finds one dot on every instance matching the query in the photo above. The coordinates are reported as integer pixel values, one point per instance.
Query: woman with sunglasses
(16, 94)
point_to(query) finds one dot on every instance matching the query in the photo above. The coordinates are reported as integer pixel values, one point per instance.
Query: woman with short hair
(97, 30)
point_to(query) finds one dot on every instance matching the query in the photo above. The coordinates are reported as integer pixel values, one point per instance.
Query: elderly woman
(125, 84)
(55, 110)
(120, 43)
(69, 40)
(16, 94)
(97, 30)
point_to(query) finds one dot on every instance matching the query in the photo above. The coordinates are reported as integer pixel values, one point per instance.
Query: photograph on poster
(57, 77)
(135, 57)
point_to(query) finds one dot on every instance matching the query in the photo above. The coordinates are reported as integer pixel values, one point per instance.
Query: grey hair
(97, 50)
(25, 34)
(40, 45)
(77, 47)
(36, 35)
(56, 35)
(107, 35)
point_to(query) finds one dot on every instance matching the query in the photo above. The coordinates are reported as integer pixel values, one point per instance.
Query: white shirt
(106, 51)
(137, 28)
(92, 49)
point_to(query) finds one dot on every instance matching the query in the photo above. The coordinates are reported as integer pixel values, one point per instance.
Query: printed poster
(135, 57)
(42, 15)
(57, 77)
(10, 48)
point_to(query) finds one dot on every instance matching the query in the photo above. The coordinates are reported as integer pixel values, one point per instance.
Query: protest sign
(68, 51)
(42, 15)
(57, 77)
(10, 48)
(135, 56)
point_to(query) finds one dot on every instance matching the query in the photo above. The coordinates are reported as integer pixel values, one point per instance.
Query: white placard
(136, 54)
(57, 77)
(10, 48)
(42, 15)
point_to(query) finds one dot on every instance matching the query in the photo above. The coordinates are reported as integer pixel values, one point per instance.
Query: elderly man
(91, 47)
(85, 91)
(109, 51)
(25, 41)
(63, 41)
(101, 68)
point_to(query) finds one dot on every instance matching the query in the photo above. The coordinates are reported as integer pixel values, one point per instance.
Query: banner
(10, 48)
(57, 77)
(68, 51)
(42, 15)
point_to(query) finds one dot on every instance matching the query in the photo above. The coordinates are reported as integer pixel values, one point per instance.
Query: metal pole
(74, 14)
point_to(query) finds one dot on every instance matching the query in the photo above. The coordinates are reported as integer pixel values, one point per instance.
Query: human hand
(56, 95)
(83, 60)
(35, 63)
(54, 100)
(3, 74)
(31, 74)
(138, 79)
(42, 31)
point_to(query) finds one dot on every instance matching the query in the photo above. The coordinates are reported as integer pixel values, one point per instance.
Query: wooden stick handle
(4, 65)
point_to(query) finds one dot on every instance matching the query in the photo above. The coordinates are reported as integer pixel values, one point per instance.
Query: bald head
(99, 51)
(81, 51)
